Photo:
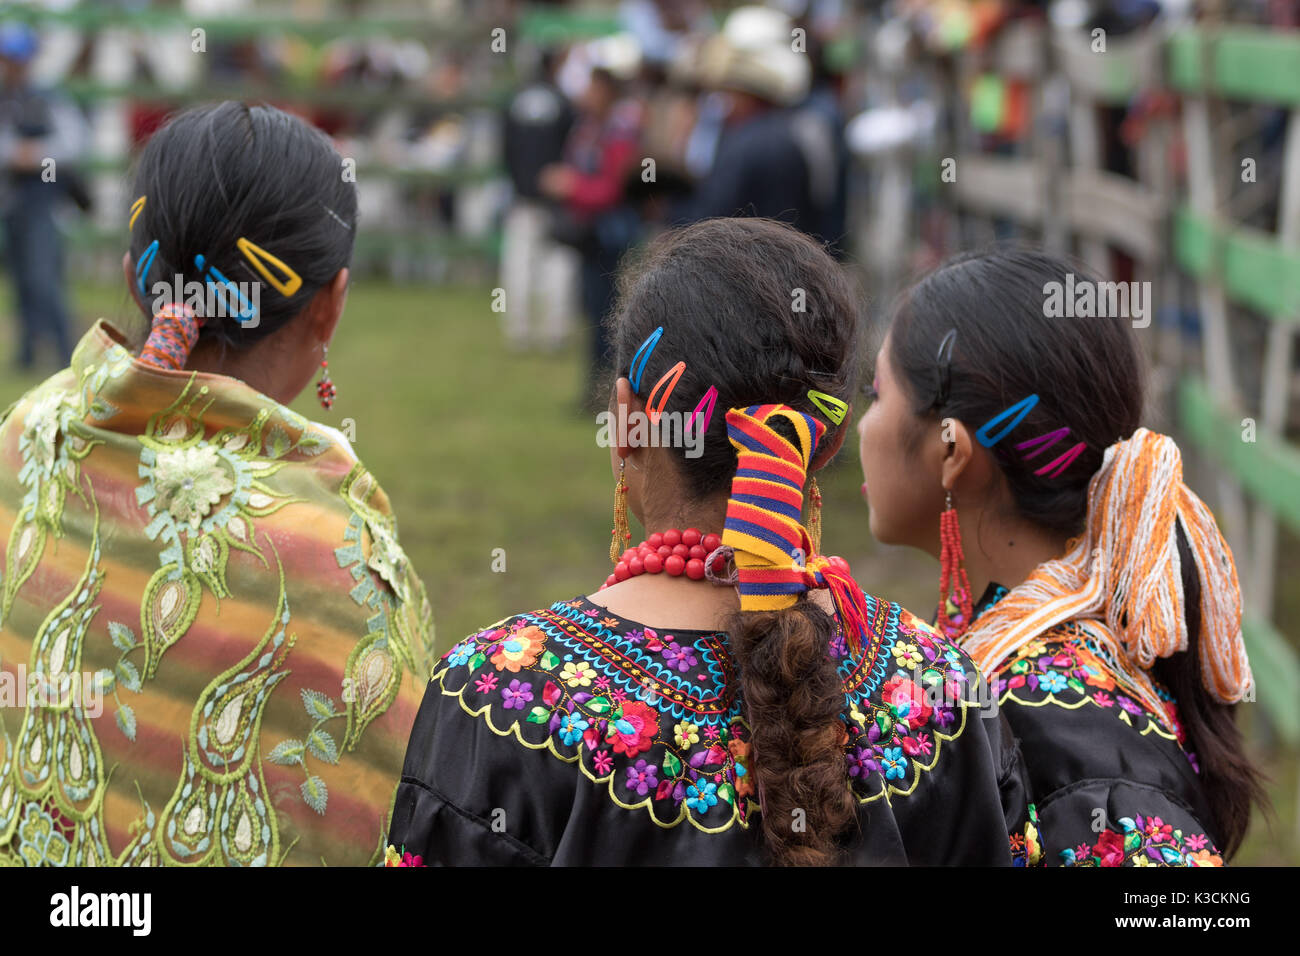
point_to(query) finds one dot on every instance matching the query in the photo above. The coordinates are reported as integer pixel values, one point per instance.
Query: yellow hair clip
(137, 207)
(286, 284)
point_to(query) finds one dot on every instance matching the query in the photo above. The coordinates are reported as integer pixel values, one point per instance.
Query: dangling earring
(815, 516)
(325, 389)
(955, 603)
(620, 534)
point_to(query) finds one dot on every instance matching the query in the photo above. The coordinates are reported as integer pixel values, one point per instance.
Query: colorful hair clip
(671, 377)
(1043, 441)
(144, 264)
(137, 207)
(833, 408)
(286, 286)
(1054, 468)
(711, 399)
(223, 286)
(635, 370)
(1020, 409)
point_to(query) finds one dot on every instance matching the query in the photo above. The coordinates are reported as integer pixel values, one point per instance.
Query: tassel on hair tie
(175, 333)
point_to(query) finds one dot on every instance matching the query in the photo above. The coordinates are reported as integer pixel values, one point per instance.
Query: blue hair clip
(246, 313)
(144, 264)
(1020, 409)
(642, 355)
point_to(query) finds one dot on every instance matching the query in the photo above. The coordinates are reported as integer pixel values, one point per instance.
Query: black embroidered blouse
(1112, 782)
(572, 736)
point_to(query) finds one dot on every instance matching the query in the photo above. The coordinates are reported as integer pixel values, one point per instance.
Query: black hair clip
(943, 359)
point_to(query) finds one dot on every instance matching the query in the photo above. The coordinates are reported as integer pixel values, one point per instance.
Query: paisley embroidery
(656, 717)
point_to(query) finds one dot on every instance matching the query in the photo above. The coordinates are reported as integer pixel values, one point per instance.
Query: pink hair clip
(1044, 442)
(711, 399)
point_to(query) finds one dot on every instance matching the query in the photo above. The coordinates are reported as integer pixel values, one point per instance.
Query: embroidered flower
(571, 728)
(486, 683)
(1109, 849)
(641, 777)
(1197, 841)
(1204, 858)
(919, 744)
(603, 762)
(602, 684)
(686, 733)
(517, 695)
(701, 795)
(460, 654)
(1052, 682)
(711, 732)
(190, 481)
(906, 701)
(40, 843)
(634, 732)
(682, 658)
(1102, 699)
(907, 655)
(634, 637)
(520, 649)
(41, 428)
(893, 762)
(1129, 706)
(861, 763)
(577, 674)
(609, 622)
(1158, 830)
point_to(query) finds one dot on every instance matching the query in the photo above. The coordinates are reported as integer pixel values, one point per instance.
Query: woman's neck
(1004, 552)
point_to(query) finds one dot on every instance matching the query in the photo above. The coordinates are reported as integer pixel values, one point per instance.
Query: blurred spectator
(41, 135)
(600, 154)
(537, 272)
(761, 167)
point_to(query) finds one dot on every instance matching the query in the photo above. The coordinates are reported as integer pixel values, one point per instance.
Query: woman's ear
(625, 403)
(327, 306)
(959, 454)
(830, 447)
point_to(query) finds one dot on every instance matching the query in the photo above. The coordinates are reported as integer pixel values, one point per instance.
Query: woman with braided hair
(1087, 581)
(730, 696)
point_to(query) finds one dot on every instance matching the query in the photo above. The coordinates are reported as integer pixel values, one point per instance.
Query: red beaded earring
(955, 603)
(325, 389)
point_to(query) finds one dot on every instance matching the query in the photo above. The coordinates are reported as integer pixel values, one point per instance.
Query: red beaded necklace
(672, 551)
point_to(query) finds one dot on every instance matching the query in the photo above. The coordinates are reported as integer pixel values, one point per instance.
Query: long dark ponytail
(760, 312)
(1088, 375)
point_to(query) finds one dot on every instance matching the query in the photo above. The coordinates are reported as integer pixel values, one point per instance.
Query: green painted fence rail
(1241, 63)
(1269, 470)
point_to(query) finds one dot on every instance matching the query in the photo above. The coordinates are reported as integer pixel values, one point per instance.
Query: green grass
(479, 449)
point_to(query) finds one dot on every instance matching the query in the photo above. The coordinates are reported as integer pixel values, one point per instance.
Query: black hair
(1087, 373)
(761, 312)
(218, 173)
(1088, 376)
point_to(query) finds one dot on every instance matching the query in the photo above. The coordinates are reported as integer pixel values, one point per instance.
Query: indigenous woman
(730, 696)
(1087, 581)
(204, 590)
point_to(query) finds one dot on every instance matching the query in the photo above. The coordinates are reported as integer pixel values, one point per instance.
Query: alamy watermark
(1085, 299)
(636, 429)
(211, 299)
(37, 689)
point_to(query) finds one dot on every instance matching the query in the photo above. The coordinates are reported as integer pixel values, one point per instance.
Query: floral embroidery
(1027, 847)
(394, 857)
(656, 717)
(1069, 669)
(1144, 841)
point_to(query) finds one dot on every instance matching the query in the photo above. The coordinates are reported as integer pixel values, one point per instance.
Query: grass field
(479, 449)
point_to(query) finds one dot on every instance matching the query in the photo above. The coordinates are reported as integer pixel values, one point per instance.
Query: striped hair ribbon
(173, 336)
(762, 526)
(1122, 582)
